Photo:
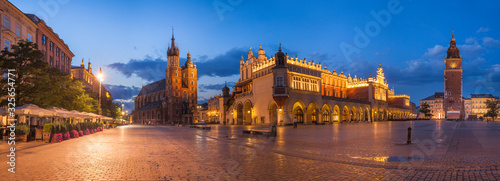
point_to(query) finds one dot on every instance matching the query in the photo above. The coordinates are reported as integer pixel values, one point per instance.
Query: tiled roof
(481, 96)
(151, 106)
(153, 87)
(436, 95)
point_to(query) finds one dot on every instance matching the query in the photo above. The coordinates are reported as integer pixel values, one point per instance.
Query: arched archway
(298, 111)
(312, 113)
(273, 113)
(345, 114)
(247, 113)
(336, 113)
(367, 115)
(380, 114)
(374, 114)
(239, 114)
(325, 113)
(354, 114)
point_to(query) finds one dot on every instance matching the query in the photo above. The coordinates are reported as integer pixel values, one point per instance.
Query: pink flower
(66, 136)
(87, 132)
(80, 133)
(74, 134)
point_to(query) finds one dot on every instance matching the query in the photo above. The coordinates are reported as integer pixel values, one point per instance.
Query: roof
(436, 95)
(150, 106)
(153, 87)
(481, 96)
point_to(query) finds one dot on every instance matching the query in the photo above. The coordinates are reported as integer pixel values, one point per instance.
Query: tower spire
(453, 51)
(173, 50)
(280, 47)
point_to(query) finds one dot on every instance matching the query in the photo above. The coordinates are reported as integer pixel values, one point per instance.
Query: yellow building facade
(276, 90)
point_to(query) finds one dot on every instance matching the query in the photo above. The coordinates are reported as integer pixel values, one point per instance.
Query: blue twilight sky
(129, 39)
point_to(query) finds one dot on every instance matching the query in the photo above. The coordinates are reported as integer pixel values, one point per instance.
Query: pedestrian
(295, 122)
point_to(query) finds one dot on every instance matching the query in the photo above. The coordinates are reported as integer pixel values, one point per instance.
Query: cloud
(121, 91)
(470, 40)
(437, 51)
(490, 42)
(222, 65)
(217, 87)
(482, 29)
(150, 69)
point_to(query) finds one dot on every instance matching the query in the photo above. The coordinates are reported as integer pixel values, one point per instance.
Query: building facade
(435, 105)
(55, 52)
(89, 80)
(453, 102)
(475, 106)
(15, 25)
(276, 90)
(173, 99)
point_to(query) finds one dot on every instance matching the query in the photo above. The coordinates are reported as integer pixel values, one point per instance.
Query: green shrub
(78, 127)
(47, 128)
(22, 129)
(56, 128)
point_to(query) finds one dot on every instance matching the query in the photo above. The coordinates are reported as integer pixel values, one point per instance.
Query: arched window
(192, 74)
(192, 82)
(326, 116)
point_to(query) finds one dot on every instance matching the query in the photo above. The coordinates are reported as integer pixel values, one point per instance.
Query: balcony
(244, 94)
(280, 91)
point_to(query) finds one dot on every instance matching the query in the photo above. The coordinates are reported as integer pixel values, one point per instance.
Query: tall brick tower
(189, 92)
(173, 84)
(453, 102)
(180, 87)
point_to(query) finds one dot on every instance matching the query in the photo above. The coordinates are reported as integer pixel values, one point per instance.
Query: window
(57, 51)
(51, 46)
(44, 39)
(6, 22)
(67, 60)
(192, 74)
(62, 55)
(62, 68)
(51, 59)
(18, 30)
(30, 37)
(7, 44)
(192, 82)
(57, 63)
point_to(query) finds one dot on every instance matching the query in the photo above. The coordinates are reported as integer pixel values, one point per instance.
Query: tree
(492, 109)
(424, 108)
(26, 61)
(39, 84)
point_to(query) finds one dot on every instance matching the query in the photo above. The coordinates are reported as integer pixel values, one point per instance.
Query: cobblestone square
(441, 150)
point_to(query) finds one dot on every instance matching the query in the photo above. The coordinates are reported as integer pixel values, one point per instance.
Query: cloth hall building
(276, 90)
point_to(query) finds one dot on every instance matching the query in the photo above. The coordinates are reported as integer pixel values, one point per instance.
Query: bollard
(274, 131)
(409, 136)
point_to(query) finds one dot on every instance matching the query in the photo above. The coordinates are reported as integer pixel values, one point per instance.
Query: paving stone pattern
(441, 150)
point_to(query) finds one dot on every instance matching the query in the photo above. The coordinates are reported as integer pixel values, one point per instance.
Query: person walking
(295, 122)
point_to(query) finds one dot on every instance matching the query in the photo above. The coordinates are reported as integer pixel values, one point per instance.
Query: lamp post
(99, 76)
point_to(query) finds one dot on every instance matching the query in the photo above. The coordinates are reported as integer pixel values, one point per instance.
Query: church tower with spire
(180, 87)
(453, 102)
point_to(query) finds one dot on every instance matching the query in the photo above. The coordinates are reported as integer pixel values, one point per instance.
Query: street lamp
(99, 77)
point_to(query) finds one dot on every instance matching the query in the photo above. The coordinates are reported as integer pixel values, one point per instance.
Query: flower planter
(66, 136)
(58, 137)
(80, 133)
(46, 137)
(23, 138)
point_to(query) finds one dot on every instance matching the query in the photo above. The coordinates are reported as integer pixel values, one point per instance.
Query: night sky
(129, 39)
